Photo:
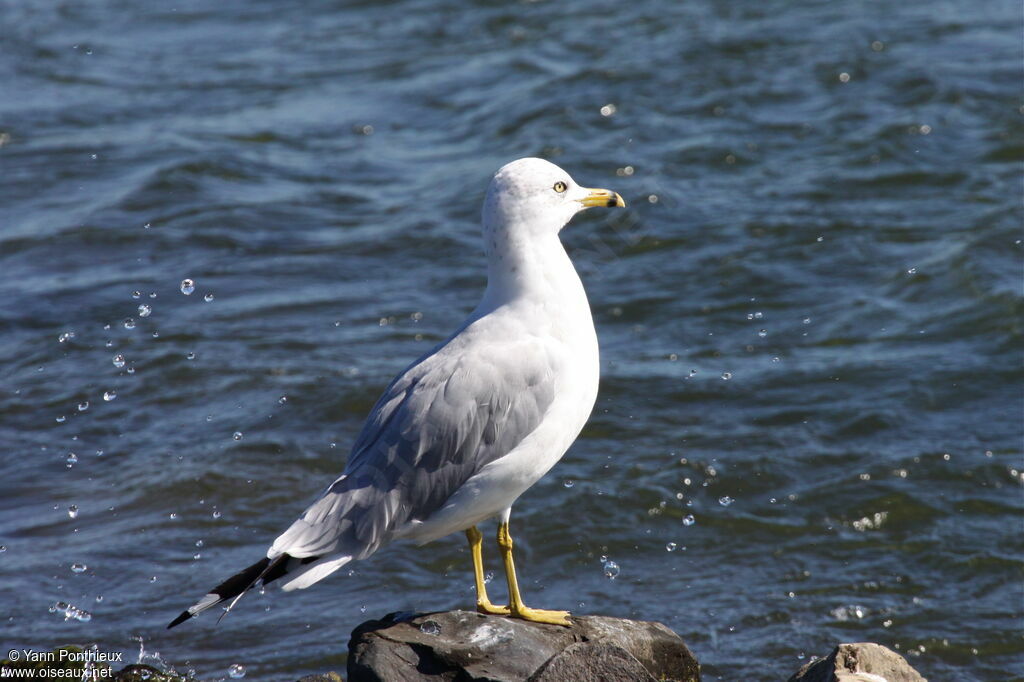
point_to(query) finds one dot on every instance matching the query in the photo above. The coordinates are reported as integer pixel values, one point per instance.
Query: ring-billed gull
(461, 433)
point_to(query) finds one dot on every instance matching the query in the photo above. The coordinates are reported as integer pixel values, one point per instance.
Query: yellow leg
(483, 604)
(515, 601)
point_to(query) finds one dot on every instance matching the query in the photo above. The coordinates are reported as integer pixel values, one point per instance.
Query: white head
(533, 197)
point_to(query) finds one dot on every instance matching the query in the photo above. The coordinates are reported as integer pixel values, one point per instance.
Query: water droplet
(191, 356)
(145, 310)
(726, 376)
(689, 520)
(199, 543)
(71, 612)
(118, 361)
(236, 671)
(173, 516)
(109, 395)
(807, 320)
(569, 483)
(611, 569)
(61, 419)
(187, 286)
(430, 627)
(73, 511)
(83, 406)
(283, 399)
(72, 459)
(911, 271)
(216, 514)
(129, 323)
(608, 110)
(488, 577)
(670, 547)
(78, 568)
(197, 556)
(208, 298)
(237, 435)
(3, 548)
(65, 336)
(725, 500)
(762, 333)
(136, 295)
(844, 77)
(99, 598)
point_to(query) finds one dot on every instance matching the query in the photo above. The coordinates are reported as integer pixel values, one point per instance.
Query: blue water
(810, 314)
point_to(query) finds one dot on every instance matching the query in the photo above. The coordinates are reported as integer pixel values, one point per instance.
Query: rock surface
(462, 645)
(859, 662)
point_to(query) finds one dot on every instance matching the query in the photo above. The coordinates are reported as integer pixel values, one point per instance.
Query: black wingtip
(185, 615)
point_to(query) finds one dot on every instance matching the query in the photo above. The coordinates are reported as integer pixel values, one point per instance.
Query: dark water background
(824, 206)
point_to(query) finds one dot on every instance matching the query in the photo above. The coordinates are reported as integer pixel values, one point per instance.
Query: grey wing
(436, 425)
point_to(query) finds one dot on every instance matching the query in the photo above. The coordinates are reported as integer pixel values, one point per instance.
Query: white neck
(536, 267)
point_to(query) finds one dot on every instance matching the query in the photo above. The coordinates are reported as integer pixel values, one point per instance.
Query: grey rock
(463, 646)
(859, 662)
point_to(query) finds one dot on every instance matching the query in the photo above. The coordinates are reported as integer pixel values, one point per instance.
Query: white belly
(498, 484)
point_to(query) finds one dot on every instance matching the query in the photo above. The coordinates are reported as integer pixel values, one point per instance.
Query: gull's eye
(560, 187)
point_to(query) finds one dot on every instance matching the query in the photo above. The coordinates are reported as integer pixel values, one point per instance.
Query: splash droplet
(145, 310)
(187, 286)
(236, 671)
(726, 376)
(83, 406)
(670, 547)
(71, 612)
(208, 298)
(129, 323)
(725, 500)
(109, 395)
(611, 569)
(78, 568)
(118, 361)
(73, 511)
(689, 520)
(237, 435)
